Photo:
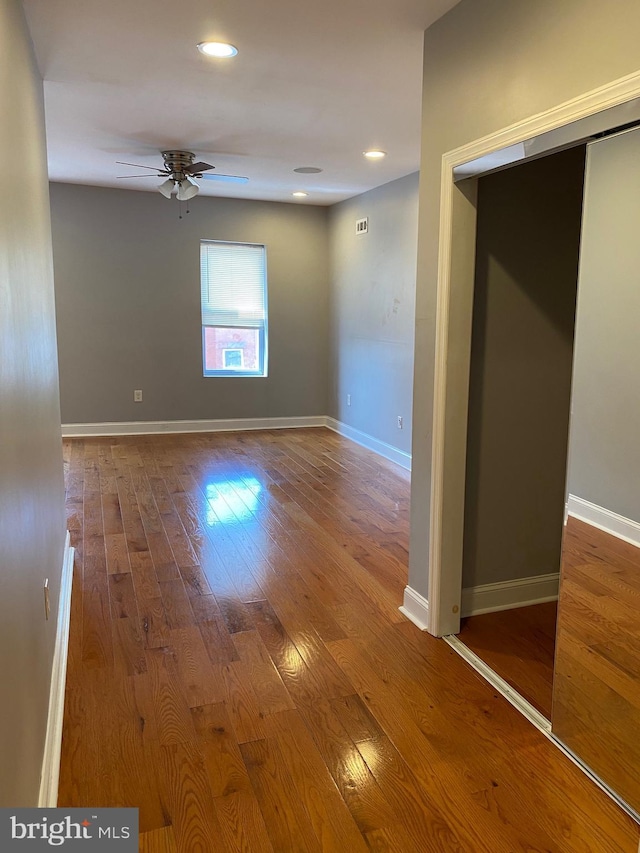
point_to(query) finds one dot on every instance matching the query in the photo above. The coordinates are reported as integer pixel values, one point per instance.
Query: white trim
(170, 427)
(48, 797)
(232, 424)
(610, 95)
(533, 715)
(605, 519)
(603, 98)
(437, 593)
(415, 608)
(400, 457)
(505, 595)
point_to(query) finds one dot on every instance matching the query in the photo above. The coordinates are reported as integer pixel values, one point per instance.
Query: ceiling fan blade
(123, 177)
(238, 179)
(198, 167)
(139, 166)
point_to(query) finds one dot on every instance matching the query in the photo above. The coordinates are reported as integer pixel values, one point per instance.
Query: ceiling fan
(180, 171)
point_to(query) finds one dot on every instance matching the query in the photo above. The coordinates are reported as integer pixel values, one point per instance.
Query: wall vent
(362, 225)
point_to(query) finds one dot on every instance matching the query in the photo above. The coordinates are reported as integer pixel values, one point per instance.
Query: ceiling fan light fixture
(219, 49)
(166, 188)
(187, 189)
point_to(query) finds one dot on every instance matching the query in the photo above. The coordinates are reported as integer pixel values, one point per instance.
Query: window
(233, 279)
(233, 358)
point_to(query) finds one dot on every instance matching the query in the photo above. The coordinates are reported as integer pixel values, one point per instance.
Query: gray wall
(373, 311)
(128, 306)
(488, 64)
(528, 240)
(605, 421)
(32, 521)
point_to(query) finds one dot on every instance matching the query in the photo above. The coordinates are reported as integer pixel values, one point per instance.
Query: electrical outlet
(400, 422)
(348, 399)
(137, 396)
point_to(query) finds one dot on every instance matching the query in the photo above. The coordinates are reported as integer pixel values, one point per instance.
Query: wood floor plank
(218, 641)
(305, 683)
(117, 553)
(97, 644)
(72, 765)
(242, 703)
(153, 623)
(131, 521)
(393, 839)
(288, 824)
(205, 608)
(195, 824)
(122, 596)
(235, 615)
(176, 603)
(145, 580)
(330, 817)
(270, 691)
(241, 823)
(166, 699)
(131, 772)
(199, 677)
(223, 760)
(194, 580)
(358, 722)
(128, 647)
(358, 787)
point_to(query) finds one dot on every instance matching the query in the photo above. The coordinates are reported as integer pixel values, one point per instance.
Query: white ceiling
(314, 84)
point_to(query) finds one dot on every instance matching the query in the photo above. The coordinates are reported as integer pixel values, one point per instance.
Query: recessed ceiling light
(307, 170)
(300, 194)
(375, 154)
(217, 48)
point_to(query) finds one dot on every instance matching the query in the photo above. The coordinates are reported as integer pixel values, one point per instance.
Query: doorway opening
(526, 279)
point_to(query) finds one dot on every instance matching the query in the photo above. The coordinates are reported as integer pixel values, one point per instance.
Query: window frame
(262, 346)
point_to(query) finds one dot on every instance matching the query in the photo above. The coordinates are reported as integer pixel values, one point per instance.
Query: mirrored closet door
(596, 689)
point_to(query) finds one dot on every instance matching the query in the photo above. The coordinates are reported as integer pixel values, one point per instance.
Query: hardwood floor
(519, 645)
(596, 701)
(239, 669)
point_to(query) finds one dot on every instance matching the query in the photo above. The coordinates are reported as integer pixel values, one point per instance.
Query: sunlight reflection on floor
(232, 501)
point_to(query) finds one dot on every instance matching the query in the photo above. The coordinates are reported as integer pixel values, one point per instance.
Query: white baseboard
(604, 519)
(505, 595)
(222, 425)
(380, 447)
(232, 424)
(48, 797)
(416, 608)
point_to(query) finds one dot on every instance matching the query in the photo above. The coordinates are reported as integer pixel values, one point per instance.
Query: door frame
(454, 306)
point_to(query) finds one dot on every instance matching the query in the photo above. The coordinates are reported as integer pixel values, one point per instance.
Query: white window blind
(234, 286)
